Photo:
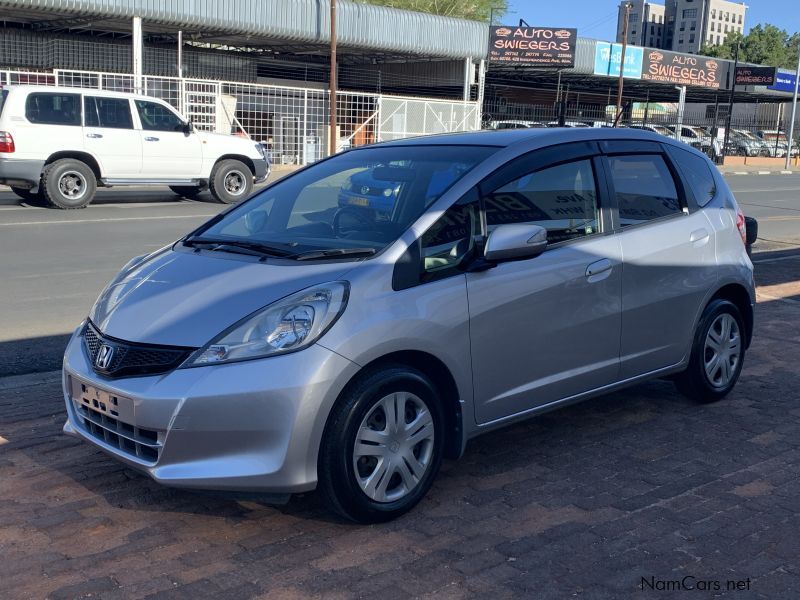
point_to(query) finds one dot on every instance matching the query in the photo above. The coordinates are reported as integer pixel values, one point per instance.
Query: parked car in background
(777, 142)
(62, 143)
(571, 124)
(743, 143)
(692, 136)
(281, 347)
(659, 129)
(514, 125)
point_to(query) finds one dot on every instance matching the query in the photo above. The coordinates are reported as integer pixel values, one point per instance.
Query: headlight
(388, 192)
(288, 325)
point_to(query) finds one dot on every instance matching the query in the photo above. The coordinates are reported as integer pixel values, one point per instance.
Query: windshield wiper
(334, 253)
(259, 248)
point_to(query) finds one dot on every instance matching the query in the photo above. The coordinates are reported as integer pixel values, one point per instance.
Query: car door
(669, 262)
(547, 328)
(110, 137)
(169, 151)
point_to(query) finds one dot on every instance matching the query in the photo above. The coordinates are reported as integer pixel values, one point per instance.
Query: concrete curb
(14, 382)
(781, 172)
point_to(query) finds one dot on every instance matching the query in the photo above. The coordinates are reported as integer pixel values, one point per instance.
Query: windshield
(362, 199)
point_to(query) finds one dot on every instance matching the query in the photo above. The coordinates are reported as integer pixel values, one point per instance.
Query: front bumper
(250, 426)
(20, 172)
(262, 169)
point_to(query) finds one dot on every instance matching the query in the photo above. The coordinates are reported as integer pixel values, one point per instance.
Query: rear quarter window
(3, 96)
(53, 108)
(697, 172)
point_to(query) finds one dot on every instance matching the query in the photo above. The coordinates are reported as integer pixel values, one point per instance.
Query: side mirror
(188, 127)
(518, 240)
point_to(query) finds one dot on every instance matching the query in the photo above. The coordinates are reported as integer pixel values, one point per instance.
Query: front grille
(128, 358)
(135, 441)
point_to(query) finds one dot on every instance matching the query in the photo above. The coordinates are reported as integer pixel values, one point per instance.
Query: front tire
(717, 354)
(231, 181)
(68, 183)
(382, 445)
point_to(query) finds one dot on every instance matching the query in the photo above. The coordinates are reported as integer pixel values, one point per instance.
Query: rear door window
(644, 188)
(113, 113)
(52, 108)
(697, 172)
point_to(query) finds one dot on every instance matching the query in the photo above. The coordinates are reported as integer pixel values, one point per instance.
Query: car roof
(502, 138)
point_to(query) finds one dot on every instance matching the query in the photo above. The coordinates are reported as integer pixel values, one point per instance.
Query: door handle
(94, 135)
(150, 138)
(600, 266)
(698, 235)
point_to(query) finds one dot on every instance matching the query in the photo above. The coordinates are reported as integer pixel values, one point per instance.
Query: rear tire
(27, 195)
(717, 354)
(382, 445)
(231, 181)
(187, 191)
(68, 183)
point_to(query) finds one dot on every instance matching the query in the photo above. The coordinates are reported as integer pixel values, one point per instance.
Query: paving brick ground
(584, 502)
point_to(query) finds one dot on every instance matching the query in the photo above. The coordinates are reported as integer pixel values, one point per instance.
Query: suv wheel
(717, 354)
(187, 191)
(68, 183)
(382, 446)
(231, 181)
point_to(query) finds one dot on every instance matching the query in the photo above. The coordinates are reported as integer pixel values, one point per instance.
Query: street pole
(332, 134)
(681, 110)
(622, 63)
(730, 105)
(180, 54)
(794, 112)
(137, 54)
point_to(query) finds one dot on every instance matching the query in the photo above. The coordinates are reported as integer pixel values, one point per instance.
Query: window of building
(691, 38)
(713, 13)
(690, 13)
(562, 199)
(726, 28)
(694, 25)
(114, 113)
(680, 40)
(644, 188)
(718, 40)
(53, 108)
(633, 17)
(740, 19)
(683, 26)
(711, 39)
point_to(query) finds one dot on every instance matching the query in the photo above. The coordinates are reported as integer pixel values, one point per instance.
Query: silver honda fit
(354, 323)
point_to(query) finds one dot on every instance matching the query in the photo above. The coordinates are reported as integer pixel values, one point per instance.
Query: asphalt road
(54, 263)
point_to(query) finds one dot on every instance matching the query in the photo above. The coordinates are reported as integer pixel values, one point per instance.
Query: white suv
(61, 143)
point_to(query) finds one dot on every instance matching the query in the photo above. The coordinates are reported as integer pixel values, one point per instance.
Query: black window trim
(676, 179)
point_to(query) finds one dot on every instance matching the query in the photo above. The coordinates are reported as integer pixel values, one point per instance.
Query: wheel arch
(441, 377)
(739, 296)
(241, 158)
(84, 157)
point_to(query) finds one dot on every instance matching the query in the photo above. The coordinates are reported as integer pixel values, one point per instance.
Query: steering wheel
(350, 211)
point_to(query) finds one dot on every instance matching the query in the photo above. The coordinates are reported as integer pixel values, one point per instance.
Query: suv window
(445, 245)
(562, 199)
(3, 96)
(157, 117)
(645, 189)
(114, 113)
(697, 173)
(50, 108)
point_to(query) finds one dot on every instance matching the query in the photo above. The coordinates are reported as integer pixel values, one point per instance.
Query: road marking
(767, 190)
(783, 218)
(113, 219)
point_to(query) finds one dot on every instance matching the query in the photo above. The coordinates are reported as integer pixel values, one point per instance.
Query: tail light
(741, 225)
(6, 142)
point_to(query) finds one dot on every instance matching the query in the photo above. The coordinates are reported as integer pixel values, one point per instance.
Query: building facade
(681, 25)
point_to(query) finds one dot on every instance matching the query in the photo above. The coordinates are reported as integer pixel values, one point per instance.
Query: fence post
(379, 117)
(305, 127)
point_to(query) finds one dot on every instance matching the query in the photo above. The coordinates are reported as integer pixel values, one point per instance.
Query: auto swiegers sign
(533, 46)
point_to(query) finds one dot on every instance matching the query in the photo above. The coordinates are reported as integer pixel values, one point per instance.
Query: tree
(476, 10)
(763, 45)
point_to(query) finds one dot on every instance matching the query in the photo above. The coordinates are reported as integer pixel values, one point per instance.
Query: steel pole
(180, 54)
(730, 106)
(332, 134)
(137, 54)
(794, 112)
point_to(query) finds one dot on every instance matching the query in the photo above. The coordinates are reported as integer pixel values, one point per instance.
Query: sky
(598, 18)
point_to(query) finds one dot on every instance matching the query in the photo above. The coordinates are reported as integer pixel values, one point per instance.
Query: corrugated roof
(359, 25)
